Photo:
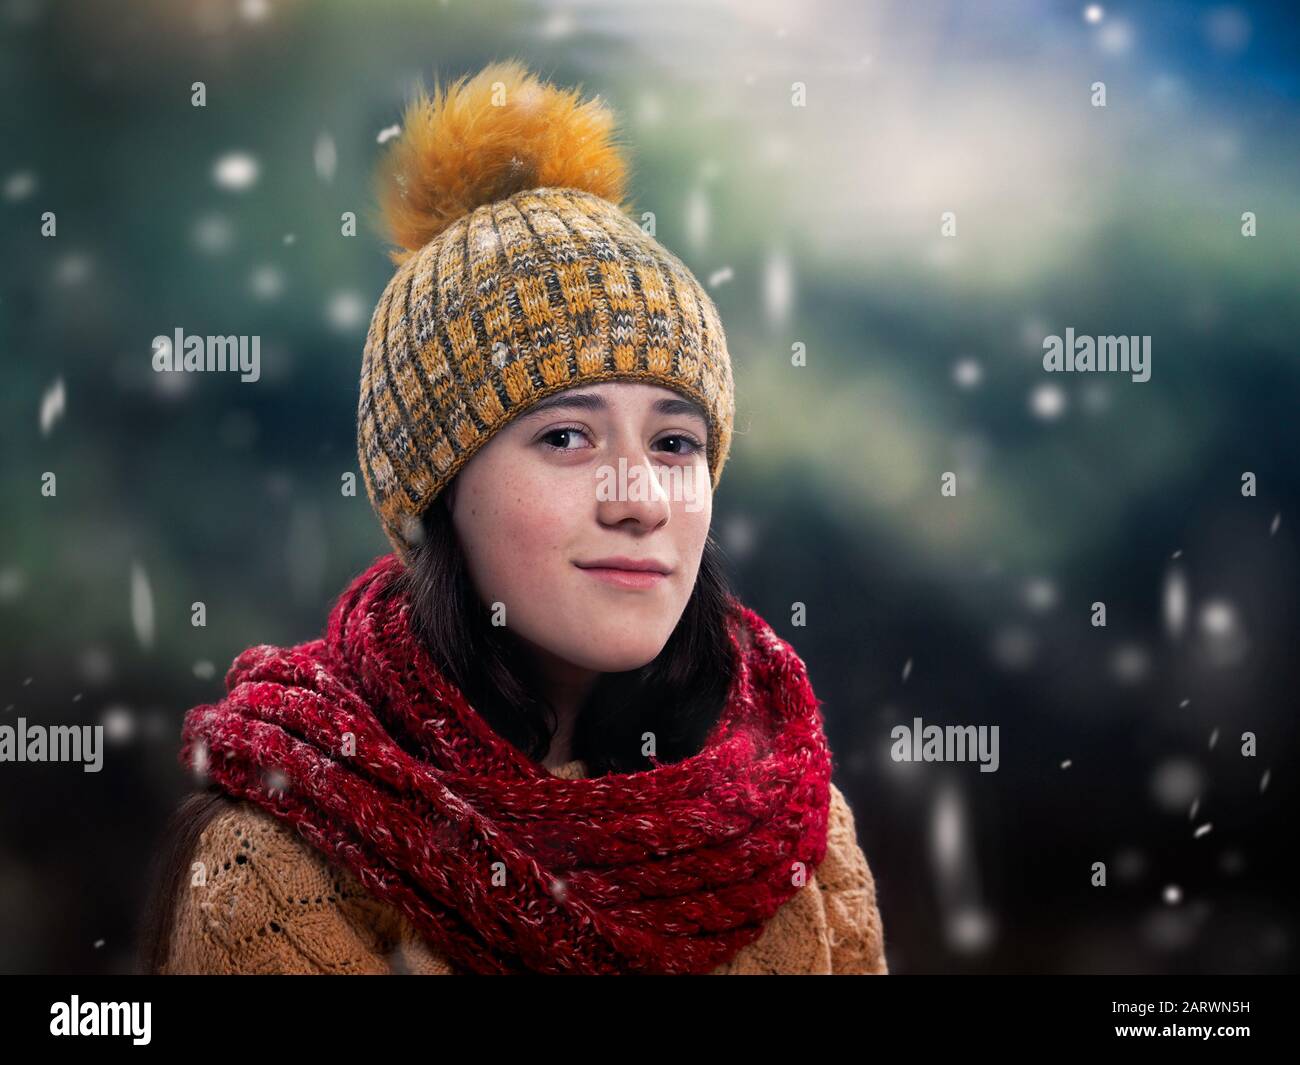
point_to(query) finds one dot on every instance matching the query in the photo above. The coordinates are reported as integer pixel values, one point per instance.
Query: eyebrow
(589, 401)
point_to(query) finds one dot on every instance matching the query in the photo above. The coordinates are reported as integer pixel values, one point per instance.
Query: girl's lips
(626, 578)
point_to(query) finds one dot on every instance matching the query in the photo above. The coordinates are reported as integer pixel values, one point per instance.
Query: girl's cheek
(530, 538)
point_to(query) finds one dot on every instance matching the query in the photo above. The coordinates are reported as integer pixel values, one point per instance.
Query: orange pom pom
(487, 137)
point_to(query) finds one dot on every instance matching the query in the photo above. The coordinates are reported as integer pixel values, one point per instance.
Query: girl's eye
(565, 432)
(688, 445)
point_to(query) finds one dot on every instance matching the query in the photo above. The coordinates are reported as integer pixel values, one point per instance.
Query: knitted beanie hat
(521, 273)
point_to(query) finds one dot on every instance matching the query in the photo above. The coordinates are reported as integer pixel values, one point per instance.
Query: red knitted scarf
(357, 740)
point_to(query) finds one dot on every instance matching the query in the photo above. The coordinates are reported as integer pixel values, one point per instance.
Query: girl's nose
(630, 488)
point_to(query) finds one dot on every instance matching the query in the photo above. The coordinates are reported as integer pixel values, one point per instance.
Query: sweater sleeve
(257, 898)
(849, 895)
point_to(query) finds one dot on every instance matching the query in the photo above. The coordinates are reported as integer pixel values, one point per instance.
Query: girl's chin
(602, 655)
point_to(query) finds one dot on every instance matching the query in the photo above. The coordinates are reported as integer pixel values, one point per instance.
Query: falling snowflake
(235, 171)
(967, 373)
(1014, 648)
(1040, 594)
(1130, 664)
(970, 929)
(12, 584)
(739, 535)
(326, 157)
(119, 723)
(199, 759)
(266, 282)
(1176, 783)
(778, 287)
(388, 133)
(72, 269)
(1175, 602)
(1047, 402)
(141, 605)
(96, 665)
(557, 26)
(697, 218)
(1224, 638)
(212, 234)
(345, 311)
(1115, 38)
(1217, 618)
(52, 404)
(19, 185)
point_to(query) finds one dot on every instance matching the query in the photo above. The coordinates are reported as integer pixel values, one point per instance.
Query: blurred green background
(816, 225)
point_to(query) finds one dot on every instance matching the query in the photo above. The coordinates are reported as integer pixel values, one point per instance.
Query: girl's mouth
(624, 577)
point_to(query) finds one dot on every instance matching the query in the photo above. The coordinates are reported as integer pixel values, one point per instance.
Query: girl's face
(615, 473)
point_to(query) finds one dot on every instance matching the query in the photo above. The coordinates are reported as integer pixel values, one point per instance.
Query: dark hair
(168, 872)
(677, 697)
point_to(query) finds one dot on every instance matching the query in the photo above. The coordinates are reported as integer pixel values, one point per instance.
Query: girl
(542, 735)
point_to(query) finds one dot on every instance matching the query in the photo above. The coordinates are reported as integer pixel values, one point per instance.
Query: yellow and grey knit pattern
(520, 299)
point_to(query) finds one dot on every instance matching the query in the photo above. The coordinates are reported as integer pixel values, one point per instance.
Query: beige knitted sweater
(266, 901)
